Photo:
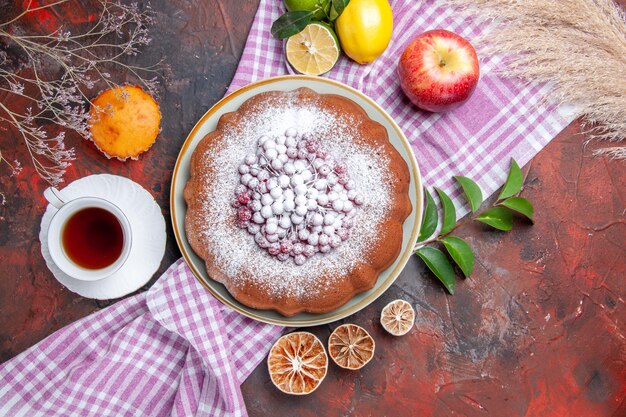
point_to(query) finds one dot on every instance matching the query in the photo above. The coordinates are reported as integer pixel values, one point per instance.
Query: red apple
(438, 70)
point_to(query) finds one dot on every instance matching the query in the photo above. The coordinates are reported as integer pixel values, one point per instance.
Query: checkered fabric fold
(172, 351)
(175, 350)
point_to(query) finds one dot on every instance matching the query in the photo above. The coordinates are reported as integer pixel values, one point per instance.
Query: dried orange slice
(124, 122)
(397, 317)
(350, 346)
(297, 363)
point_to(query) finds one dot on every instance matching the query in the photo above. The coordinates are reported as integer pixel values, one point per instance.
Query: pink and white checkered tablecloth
(175, 350)
(171, 351)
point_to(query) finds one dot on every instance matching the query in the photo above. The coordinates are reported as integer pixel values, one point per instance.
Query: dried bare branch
(83, 60)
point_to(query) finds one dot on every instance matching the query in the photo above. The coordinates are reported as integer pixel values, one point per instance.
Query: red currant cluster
(294, 198)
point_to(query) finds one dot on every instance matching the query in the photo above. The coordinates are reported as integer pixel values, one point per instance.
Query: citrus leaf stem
(513, 183)
(472, 192)
(291, 23)
(521, 206)
(460, 252)
(431, 218)
(497, 217)
(439, 265)
(449, 212)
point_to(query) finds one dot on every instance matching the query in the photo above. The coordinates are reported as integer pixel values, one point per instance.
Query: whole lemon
(364, 29)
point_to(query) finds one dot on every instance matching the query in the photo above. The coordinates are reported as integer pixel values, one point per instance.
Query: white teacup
(66, 209)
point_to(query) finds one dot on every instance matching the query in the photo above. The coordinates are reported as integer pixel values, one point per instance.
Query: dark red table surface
(538, 330)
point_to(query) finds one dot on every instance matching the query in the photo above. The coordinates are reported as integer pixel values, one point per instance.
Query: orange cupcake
(124, 122)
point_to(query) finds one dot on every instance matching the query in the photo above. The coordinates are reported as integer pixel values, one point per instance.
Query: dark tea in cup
(89, 238)
(93, 238)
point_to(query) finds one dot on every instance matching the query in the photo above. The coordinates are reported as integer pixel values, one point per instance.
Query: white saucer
(148, 231)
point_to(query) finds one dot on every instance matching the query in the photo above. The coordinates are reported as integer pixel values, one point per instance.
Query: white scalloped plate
(230, 103)
(148, 230)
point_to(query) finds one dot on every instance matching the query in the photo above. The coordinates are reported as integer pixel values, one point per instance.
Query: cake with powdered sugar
(296, 201)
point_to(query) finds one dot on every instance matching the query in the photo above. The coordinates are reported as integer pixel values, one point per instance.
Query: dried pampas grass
(579, 46)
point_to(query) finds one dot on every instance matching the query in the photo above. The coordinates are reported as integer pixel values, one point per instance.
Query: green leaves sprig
(499, 216)
(291, 23)
(294, 22)
(336, 8)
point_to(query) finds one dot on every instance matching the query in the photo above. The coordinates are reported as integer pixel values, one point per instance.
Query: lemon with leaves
(364, 29)
(320, 7)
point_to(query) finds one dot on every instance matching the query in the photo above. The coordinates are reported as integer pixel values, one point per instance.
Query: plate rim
(403, 257)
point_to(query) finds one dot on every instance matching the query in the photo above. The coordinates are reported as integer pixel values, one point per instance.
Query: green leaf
(472, 192)
(429, 222)
(460, 252)
(437, 262)
(291, 23)
(520, 205)
(497, 217)
(513, 183)
(337, 7)
(449, 212)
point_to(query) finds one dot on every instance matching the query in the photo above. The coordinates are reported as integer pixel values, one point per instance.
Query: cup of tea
(89, 238)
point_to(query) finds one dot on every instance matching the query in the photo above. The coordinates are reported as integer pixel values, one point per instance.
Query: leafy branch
(80, 62)
(499, 216)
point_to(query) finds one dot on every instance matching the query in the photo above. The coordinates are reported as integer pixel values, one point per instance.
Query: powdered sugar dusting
(237, 254)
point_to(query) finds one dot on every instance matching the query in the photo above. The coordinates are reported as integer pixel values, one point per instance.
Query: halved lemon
(350, 346)
(397, 317)
(297, 363)
(314, 51)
